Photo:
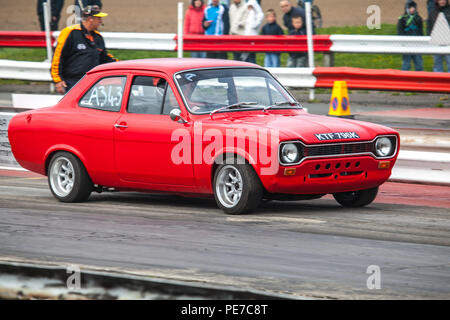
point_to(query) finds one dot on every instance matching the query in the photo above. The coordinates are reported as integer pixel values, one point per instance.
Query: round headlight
(383, 147)
(289, 153)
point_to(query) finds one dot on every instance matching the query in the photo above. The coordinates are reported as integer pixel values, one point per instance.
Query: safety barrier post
(48, 38)
(180, 29)
(310, 42)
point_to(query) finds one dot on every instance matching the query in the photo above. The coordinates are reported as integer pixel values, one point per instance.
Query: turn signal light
(290, 172)
(384, 165)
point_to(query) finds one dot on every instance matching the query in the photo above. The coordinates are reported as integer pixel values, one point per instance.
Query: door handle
(120, 126)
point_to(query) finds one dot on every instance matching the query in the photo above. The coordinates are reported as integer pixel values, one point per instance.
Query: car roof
(170, 65)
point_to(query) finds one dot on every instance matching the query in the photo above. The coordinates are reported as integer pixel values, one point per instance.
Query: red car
(199, 127)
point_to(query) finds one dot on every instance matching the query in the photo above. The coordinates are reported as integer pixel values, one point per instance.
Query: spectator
(255, 18)
(80, 4)
(289, 12)
(238, 20)
(430, 6)
(441, 6)
(216, 22)
(79, 49)
(411, 24)
(56, 7)
(272, 59)
(297, 59)
(193, 23)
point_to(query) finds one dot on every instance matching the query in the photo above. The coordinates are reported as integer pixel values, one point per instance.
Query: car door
(143, 136)
(93, 136)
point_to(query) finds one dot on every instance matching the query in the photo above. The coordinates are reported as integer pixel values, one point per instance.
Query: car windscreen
(207, 90)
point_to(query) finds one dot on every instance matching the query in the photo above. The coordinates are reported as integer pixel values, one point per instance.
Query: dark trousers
(217, 55)
(53, 23)
(70, 83)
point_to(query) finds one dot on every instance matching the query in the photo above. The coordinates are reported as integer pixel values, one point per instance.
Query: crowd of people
(245, 17)
(411, 24)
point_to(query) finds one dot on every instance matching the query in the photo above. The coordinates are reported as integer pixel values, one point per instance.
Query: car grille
(337, 149)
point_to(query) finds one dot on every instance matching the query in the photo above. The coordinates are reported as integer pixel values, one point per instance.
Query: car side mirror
(175, 115)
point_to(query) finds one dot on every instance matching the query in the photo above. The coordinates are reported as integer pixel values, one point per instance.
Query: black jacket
(434, 14)
(409, 25)
(299, 32)
(287, 18)
(273, 29)
(77, 52)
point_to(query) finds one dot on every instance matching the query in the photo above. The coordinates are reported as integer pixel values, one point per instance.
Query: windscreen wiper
(282, 103)
(233, 106)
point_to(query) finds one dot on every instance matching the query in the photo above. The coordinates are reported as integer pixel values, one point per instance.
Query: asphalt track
(311, 248)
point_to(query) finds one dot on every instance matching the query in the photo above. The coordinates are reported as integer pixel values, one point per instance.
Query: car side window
(147, 94)
(105, 95)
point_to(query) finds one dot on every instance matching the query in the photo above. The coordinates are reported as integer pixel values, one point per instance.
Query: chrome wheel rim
(62, 177)
(229, 186)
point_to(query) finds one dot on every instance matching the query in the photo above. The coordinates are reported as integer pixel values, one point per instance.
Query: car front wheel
(355, 199)
(237, 188)
(68, 179)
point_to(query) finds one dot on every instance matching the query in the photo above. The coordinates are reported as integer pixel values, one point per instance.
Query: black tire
(252, 189)
(356, 199)
(81, 182)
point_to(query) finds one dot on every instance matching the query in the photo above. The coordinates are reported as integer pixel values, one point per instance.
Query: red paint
(138, 157)
(23, 39)
(414, 195)
(424, 113)
(260, 43)
(383, 79)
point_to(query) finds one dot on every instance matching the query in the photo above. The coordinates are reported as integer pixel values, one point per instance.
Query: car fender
(63, 147)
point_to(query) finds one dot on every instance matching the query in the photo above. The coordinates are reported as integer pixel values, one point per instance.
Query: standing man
(238, 20)
(80, 48)
(56, 7)
(411, 24)
(216, 22)
(441, 6)
(289, 12)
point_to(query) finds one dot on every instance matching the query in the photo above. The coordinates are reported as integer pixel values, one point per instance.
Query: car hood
(300, 125)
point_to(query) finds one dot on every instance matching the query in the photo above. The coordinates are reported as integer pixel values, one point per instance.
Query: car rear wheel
(237, 188)
(355, 199)
(68, 179)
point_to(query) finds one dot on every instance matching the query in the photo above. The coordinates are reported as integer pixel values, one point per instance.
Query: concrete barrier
(39, 281)
(6, 157)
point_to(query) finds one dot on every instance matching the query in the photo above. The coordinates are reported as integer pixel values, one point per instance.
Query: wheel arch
(219, 159)
(58, 148)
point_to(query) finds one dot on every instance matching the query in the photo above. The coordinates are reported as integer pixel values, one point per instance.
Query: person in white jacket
(255, 18)
(238, 20)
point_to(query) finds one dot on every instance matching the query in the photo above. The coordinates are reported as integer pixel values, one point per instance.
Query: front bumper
(329, 175)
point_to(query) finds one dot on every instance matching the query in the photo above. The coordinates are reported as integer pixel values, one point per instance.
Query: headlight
(383, 147)
(289, 153)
